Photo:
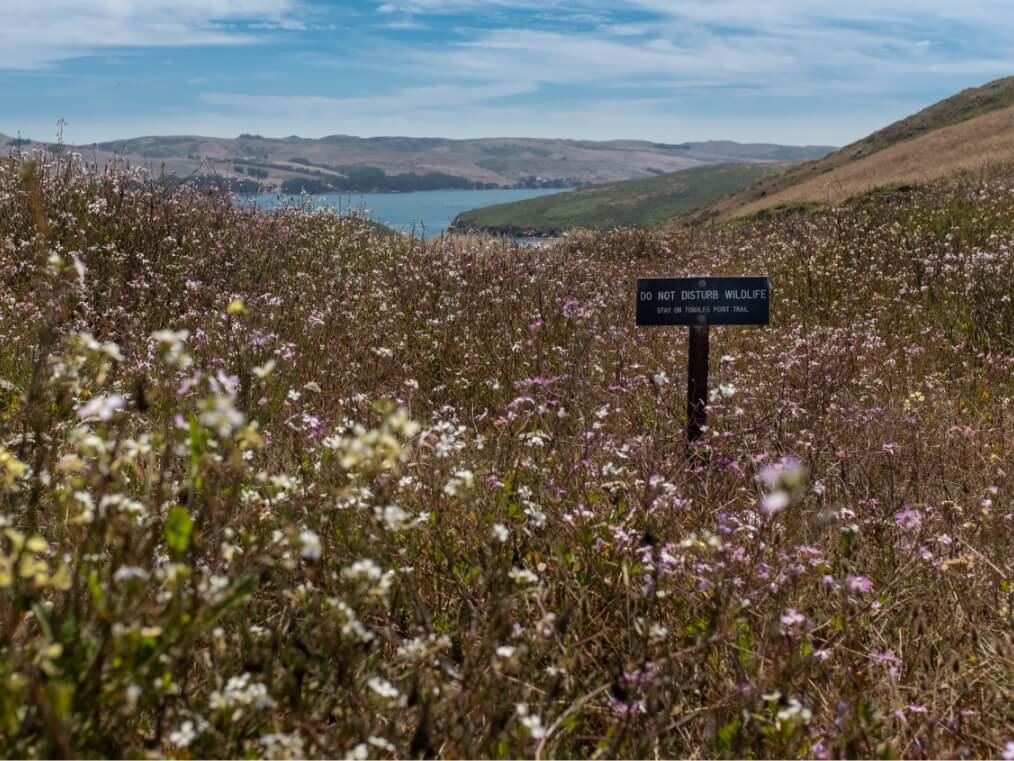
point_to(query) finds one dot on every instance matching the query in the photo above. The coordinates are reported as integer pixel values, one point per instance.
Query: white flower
(239, 693)
(506, 651)
(112, 351)
(311, 544)
(401, 424)
(383, 744)
(530, 721)
(79, 269)
(363, 569)
(383, 688)
(133, 694)
(127, 572)
(522, 576)
(358, 753)
(774, 502)
(500, 532)
(538, 517)
(393, 517)
(185, 735)
(462, 479)
(660, 379)
(101, 407)
(421, 649)
(794, 710)
(171, 337)
(281, 745)
(171, 343)
(263, 371)
(219, 414)
(352, 627)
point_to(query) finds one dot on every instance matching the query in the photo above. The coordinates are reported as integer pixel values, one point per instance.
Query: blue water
(429, 211)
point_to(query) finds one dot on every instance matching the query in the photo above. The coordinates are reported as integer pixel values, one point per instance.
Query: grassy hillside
(940, 153)
(820, 181)
(341, 163)
(272, 484)
(634, 203)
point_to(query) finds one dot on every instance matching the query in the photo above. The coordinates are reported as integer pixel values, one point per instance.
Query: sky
(821, 72)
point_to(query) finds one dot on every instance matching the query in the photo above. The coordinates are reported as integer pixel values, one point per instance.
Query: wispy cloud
(769, 45)
(329, 110)
(34, 34)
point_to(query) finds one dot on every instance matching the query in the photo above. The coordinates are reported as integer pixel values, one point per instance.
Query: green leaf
(95, 587)
(724, 741)
(177, 531)
(198, 441)
(43, 618)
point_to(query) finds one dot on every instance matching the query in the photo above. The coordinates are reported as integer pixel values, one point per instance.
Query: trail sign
(701, 302)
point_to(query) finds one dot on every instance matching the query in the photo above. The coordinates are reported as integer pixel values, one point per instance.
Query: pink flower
(908, 519)
(859, 584)
(635, 706)
(883, 657)
(792, 618)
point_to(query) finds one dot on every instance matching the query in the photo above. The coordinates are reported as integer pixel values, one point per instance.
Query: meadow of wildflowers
(284, 485)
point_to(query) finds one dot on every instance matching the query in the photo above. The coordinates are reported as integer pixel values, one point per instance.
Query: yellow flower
(11, 468)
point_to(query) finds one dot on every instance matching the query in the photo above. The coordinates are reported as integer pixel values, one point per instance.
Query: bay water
(427, 213)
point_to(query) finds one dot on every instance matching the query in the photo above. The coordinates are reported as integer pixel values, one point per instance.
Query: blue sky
(822, 71)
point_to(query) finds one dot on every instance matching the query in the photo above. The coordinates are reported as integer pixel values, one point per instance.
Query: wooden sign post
(700, 302)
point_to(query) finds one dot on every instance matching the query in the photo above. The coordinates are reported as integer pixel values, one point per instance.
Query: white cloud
(767, 45)
(330, 110)
(36, 33)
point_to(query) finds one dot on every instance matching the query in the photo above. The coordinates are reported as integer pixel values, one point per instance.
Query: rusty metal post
(697, 381)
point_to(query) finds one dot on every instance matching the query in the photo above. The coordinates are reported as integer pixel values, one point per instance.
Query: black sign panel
(703, 301)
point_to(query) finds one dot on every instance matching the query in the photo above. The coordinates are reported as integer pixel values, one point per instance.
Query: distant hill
(341, 163)
(632, 203)
(964, 131)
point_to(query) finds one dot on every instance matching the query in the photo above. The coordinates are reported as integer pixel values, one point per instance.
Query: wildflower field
(284, 484)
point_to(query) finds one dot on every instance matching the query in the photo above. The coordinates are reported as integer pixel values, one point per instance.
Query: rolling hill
(631, 203)
(966, 131)
(340, 163)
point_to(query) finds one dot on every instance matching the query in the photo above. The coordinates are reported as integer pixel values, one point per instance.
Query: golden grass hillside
(966, 146)
(821, 178)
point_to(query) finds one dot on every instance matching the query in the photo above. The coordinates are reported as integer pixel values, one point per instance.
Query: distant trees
(371, 179)
(252, 171)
